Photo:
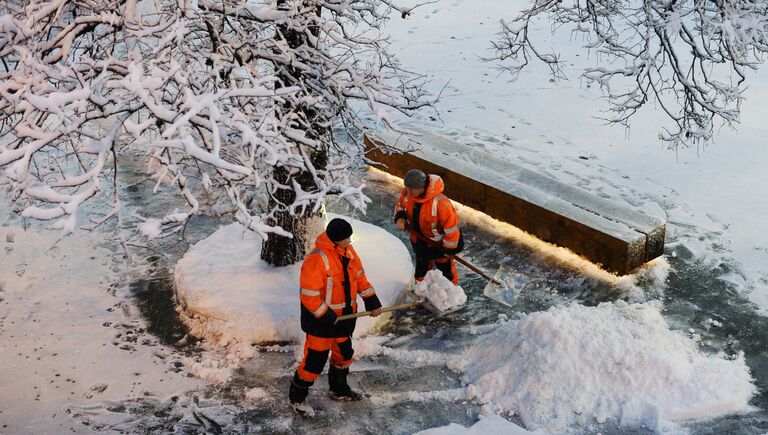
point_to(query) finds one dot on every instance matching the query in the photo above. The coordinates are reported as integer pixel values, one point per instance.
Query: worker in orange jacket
(426, 212)
(332, 277)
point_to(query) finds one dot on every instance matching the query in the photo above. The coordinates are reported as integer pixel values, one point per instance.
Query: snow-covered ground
(75, 351)
(72, 343)
(491, 424)
(712, 196)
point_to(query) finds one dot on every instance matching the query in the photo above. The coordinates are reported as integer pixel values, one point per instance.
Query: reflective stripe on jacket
(438, 220)
(323, 294)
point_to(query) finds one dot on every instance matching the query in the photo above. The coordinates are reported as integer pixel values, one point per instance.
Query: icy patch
(232, 299)
(389, 399)
(570, 365)
(440, 292)
(491, 424)
(373, 346)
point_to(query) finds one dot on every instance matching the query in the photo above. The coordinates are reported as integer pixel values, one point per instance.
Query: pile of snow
(491, 424)
(440, 292)
(230, 297)
(572, 364)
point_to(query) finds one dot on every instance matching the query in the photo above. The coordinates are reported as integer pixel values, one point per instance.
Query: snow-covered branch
(241, 94)
(690, 57)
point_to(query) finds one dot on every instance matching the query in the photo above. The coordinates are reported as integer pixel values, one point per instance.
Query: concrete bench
(616, 237)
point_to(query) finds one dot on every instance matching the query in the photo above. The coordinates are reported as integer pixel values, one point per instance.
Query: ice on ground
(440, 292)
(575, 364)
(70, 338)
(229, 296)
(491, 424)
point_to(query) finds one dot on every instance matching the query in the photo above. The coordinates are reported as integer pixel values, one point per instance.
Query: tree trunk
(278, 250)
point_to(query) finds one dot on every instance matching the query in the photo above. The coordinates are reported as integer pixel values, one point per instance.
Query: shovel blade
(506, 286)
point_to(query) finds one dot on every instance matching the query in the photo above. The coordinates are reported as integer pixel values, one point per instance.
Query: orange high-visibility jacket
(323, 294)
(438, 220)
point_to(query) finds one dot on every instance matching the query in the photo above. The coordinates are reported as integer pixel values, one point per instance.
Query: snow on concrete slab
(439, 291)
(491, 424)
(229, 296)
(574, 365)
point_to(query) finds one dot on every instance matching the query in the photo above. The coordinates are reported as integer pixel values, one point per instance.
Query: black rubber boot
(297, 393)
(340, 390)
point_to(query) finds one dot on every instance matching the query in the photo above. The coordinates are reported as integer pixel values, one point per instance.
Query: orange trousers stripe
(321, 344)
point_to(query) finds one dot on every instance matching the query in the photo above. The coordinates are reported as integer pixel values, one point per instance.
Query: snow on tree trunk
(280, 250)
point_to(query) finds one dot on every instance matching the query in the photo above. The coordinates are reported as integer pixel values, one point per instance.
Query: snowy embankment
(229, 296)
(576, 365)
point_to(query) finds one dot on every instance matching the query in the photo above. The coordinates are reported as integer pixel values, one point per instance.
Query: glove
(329, 318)
(400, 224)
(435, 253)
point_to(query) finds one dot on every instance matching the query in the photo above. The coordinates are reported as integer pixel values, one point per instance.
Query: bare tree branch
(689, 56)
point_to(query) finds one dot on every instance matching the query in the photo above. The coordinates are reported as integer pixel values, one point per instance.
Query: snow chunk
(491, 424)
(151, 228)
(614, 361)
(257, 394)
(228, 295)
(440, 292)
(209, 369)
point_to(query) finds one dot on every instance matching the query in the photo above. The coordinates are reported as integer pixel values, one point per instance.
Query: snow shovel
(415, 302)
(505, 286)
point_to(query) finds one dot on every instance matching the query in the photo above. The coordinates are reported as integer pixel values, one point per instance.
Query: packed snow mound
(439, 291)
(491, 424)
(229, 296)
(573, 365)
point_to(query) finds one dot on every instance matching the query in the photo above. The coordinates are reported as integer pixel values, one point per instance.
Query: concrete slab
(618, 238)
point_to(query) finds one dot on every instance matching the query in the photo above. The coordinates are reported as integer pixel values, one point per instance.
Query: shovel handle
(476, 270)
(383, 310)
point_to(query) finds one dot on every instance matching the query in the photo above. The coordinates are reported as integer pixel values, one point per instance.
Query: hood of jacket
(324, 242)
(434, 188)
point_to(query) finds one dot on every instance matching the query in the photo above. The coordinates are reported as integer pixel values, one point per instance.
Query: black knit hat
(338, 230)
(415, 179)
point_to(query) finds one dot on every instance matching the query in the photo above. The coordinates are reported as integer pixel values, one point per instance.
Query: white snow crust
(439, 291)
(229, 296)
(490, 424)
(574, 365)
